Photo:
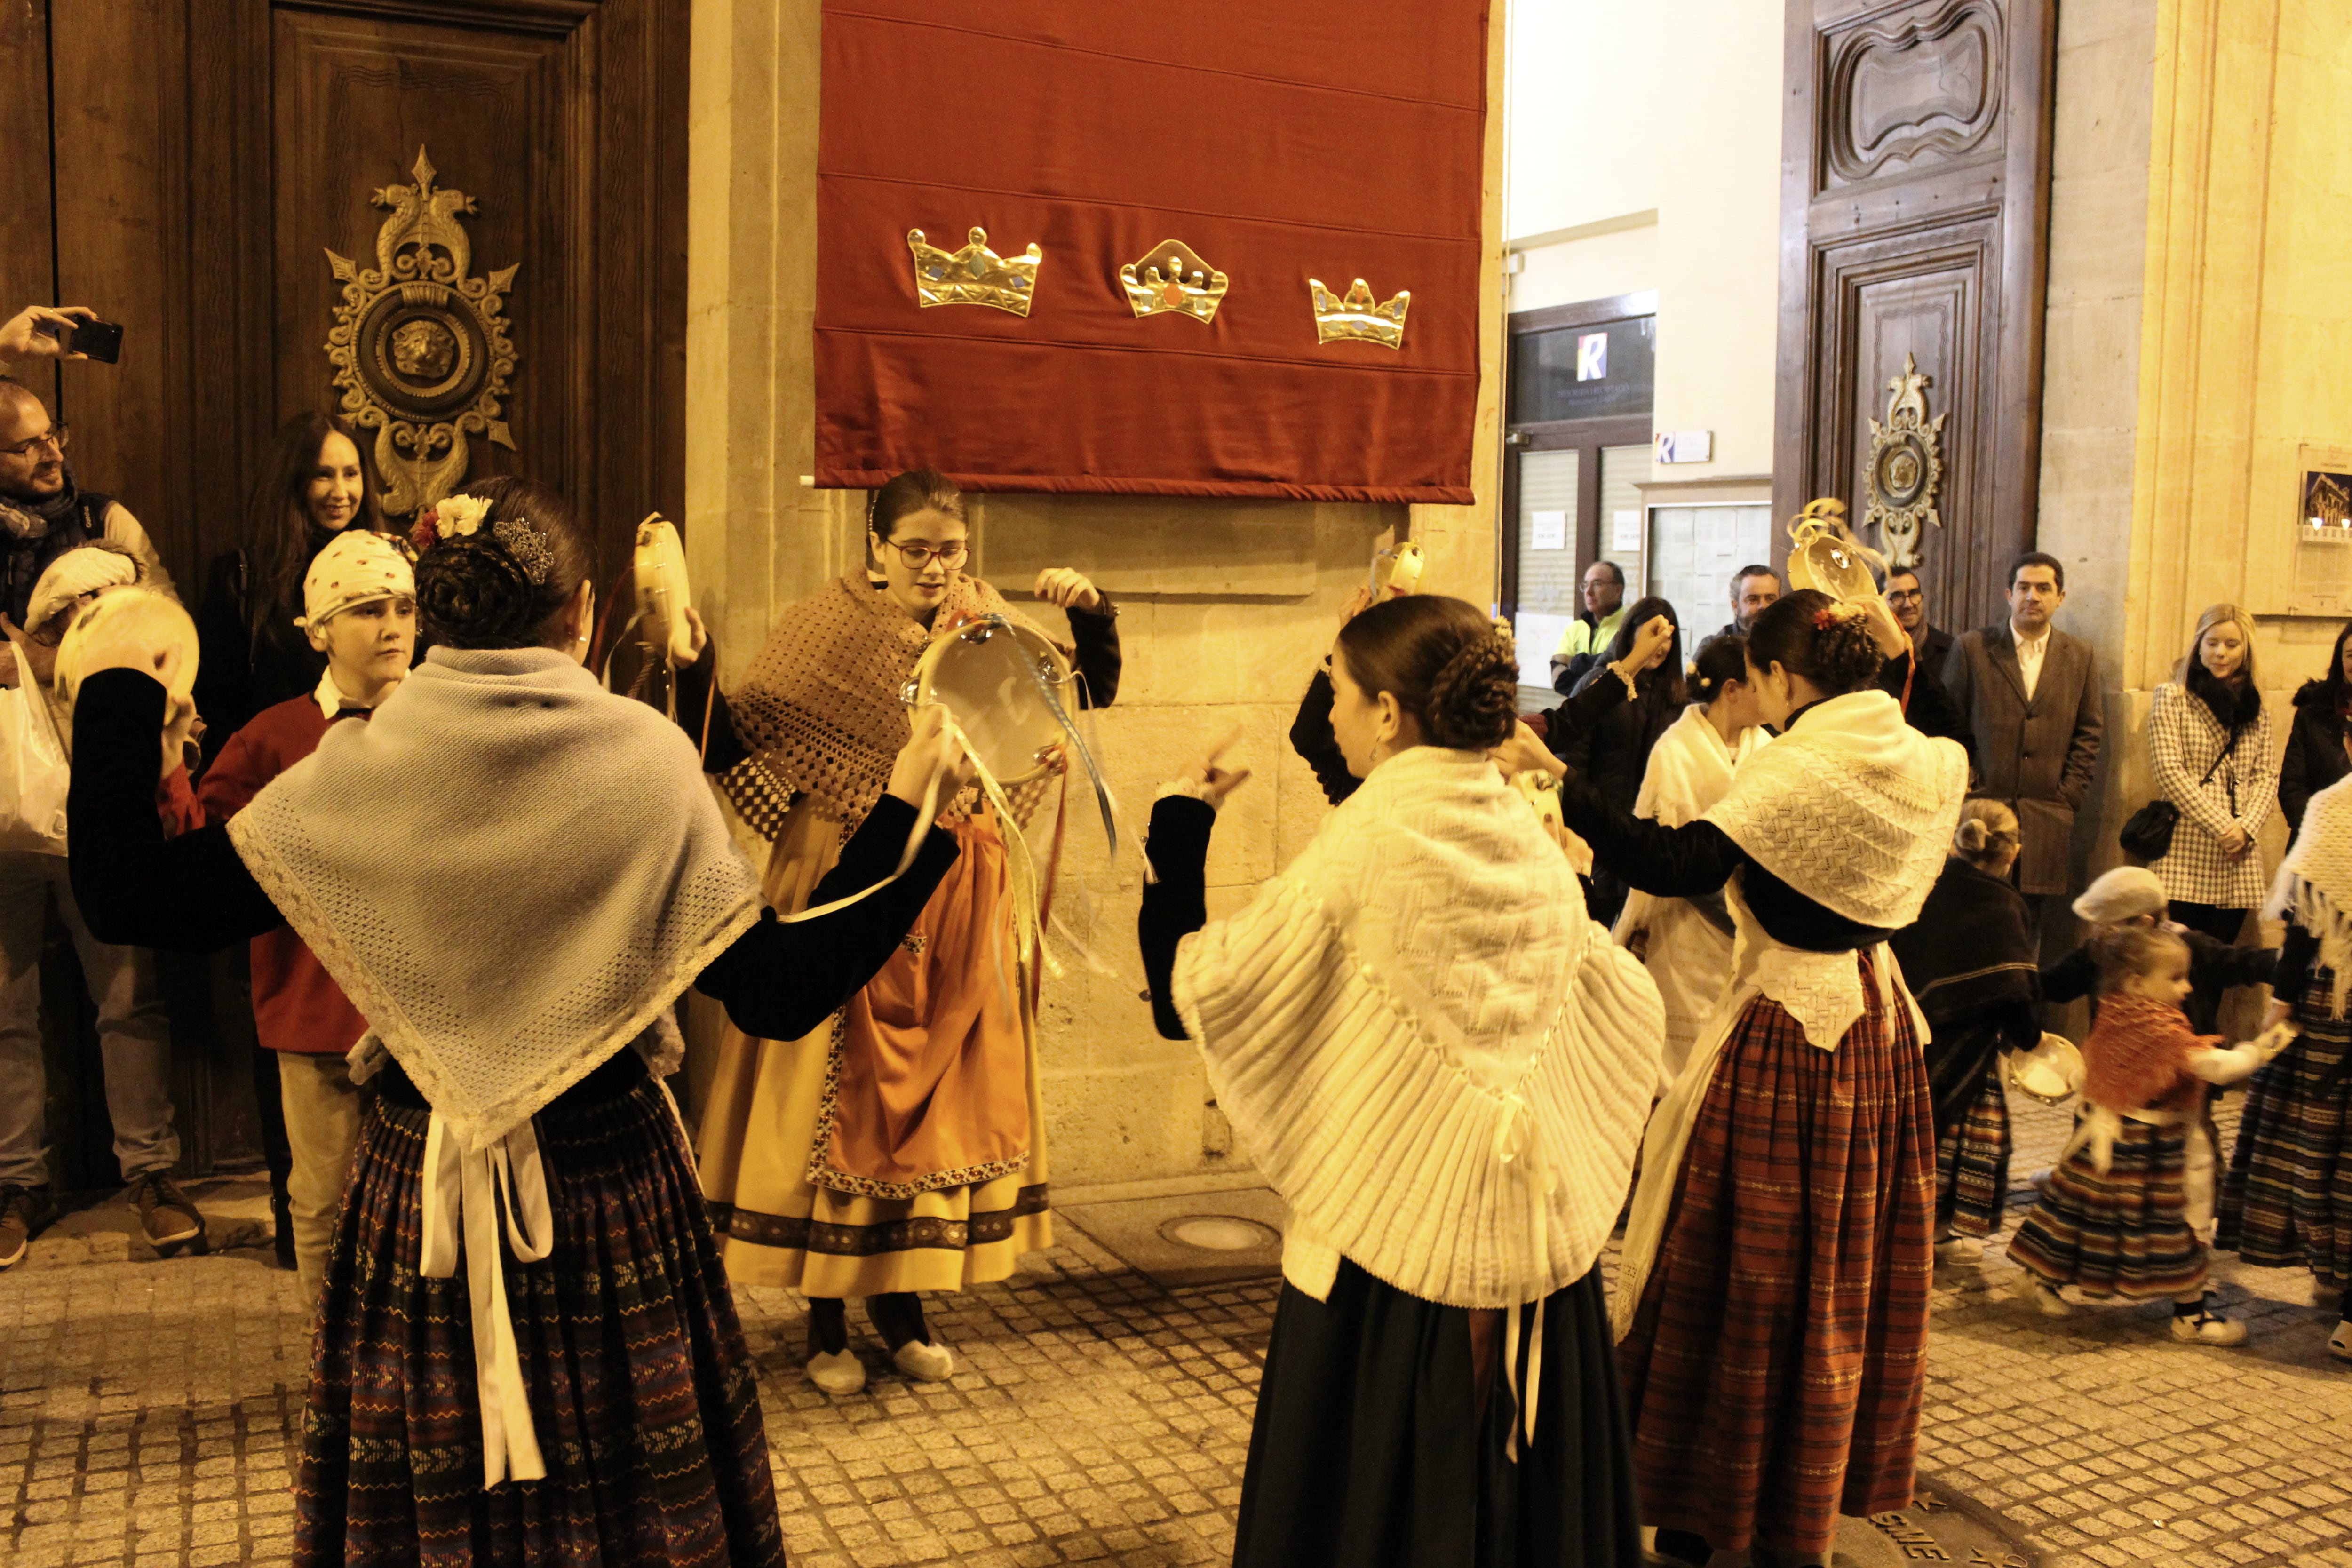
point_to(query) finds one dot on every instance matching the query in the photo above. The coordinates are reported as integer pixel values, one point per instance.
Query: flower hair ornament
(1829, 615)
(461, 517)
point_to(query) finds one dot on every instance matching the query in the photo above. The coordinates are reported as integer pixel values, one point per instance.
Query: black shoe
(281, 1225)
(25, 1213)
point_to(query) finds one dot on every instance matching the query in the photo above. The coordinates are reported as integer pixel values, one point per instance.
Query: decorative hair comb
(527, 547)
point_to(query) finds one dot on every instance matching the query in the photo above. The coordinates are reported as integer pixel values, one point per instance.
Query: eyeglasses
(55, 439)
(921, 555)
(1904, 596)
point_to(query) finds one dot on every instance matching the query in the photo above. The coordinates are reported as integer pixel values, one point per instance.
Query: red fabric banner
(1281, 141)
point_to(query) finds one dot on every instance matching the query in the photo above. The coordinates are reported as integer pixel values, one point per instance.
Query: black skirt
(1369, 1450)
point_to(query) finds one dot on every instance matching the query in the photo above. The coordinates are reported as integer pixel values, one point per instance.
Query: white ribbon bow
(1516, 1144)
(469, 1190)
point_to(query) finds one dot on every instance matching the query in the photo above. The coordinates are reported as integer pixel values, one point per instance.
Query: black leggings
(2221, 925)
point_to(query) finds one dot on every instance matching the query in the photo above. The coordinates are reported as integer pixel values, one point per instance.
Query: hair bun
(472, 594)
(1475, 699)
(1972, 836)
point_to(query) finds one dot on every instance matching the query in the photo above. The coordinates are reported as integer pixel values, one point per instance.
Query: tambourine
(131, 625)
(1396, 573)
(661, 589)
(986, 675)
(2052, 1072)
(1823, 556)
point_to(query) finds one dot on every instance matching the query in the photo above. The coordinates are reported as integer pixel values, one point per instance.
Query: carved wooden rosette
(420, 347)
(1905, 468)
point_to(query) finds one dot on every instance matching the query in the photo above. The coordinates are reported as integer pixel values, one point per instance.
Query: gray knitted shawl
(511, 873)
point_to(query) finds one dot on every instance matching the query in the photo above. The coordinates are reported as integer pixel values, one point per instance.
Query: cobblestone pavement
(144, 1407)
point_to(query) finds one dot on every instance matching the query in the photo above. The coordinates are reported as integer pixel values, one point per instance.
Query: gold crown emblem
(1189, 286)
(1359, 318)
(974, 275)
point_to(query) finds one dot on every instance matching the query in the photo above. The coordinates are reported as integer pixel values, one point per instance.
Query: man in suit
(1931, 645)
(2031, 696)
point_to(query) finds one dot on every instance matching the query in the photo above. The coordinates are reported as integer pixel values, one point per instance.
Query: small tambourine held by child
(2125, 1213)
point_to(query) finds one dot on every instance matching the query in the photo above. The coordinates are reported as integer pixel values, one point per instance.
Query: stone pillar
(2201, 316)
(1225, 606)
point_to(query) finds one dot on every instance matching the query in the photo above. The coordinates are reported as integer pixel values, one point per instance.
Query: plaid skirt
(2122, 1234)
(2286, 1199)
(1778, 1358)
(1972, 1164)
(639, 1380)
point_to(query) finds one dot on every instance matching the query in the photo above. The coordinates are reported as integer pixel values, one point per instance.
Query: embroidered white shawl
(1852, 809)
(1426, 1043)
(2313, 886)
(512, 873)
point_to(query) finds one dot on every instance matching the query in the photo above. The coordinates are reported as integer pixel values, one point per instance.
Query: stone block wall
(1225, 606)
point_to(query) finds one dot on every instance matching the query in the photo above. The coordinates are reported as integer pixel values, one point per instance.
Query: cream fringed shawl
(822, 710)
(2313, 886)
(1426, 1043)
(513, 874)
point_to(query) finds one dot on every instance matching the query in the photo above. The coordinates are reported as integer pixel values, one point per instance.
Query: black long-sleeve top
(702, 707)
(1312, 739)
(1699, 858)
(2220, 964)
(193, 894)
(1177, 904)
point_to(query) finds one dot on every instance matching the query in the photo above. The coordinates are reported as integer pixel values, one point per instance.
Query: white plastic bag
(34, 773)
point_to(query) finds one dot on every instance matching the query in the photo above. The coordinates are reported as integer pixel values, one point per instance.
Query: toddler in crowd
(2125, 1213)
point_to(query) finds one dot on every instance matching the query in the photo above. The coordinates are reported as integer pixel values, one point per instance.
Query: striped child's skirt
(2122, 1234)
(639, 1380)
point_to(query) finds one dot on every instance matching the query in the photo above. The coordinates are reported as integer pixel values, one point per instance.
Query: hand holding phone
(59, 332)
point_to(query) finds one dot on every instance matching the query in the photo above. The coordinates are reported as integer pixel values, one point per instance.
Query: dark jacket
(241, 671)
(2314, 756)
(2034, 756)
(1612, 750)
(1935, 650)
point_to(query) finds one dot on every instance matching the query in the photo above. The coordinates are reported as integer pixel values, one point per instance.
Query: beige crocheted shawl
(822, 709)
(2314, 888)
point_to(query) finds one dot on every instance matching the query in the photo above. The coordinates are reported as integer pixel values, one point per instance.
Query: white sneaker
(1959, 1249)
(840, 1373)
(2339, 1343)
(925, 1362)
(2044, 1296)
(2209, 1328)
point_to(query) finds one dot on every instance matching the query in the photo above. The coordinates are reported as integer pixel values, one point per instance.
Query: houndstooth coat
(2184, 739)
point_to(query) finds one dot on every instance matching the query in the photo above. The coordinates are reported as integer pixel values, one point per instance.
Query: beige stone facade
(1225, 606)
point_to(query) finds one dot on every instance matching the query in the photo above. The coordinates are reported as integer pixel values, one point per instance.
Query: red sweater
(2137, 1056)
(297, 1006)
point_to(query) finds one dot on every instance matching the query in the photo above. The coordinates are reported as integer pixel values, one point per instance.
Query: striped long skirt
(2286, 1200)
(639, 1380)
(1778, 1358)
(2122, 1232)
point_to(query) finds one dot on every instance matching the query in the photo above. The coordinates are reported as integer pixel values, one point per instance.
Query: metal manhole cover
(1219, 1233)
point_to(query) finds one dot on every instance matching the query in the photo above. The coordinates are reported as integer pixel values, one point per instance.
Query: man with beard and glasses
(44, 510)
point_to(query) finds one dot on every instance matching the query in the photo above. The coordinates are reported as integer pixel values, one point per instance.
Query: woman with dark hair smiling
(318, 481)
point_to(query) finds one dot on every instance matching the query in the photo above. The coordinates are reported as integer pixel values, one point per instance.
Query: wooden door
(207, 154)
(1913, 222)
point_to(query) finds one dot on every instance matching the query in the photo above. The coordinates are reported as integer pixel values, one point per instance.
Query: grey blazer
(2037, 755)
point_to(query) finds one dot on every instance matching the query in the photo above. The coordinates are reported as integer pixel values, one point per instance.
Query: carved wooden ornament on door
(420, 347)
